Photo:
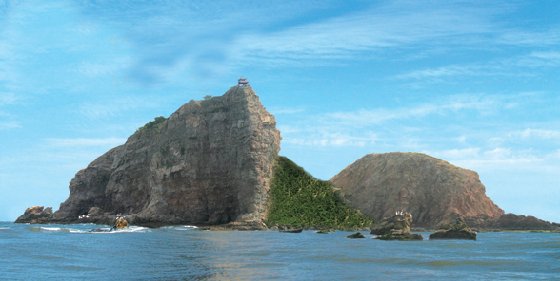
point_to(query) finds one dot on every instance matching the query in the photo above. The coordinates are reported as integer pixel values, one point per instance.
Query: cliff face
(432, 190)
(210, 162)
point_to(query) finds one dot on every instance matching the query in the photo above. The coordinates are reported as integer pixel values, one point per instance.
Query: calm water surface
(70, 252)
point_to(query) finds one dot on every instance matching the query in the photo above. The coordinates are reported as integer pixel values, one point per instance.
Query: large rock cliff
(433, 190)
(210, 162)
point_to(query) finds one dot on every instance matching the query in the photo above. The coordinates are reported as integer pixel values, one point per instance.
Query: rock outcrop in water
(210, 162)
(36, 214)
(396, 227)
(431, 189)
(512, 222)
(455, 230)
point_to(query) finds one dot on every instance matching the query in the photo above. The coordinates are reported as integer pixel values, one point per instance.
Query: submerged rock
(456, 230)
(356, 235)
(36, 214)
(396, 227)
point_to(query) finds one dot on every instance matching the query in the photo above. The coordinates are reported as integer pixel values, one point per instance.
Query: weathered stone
(209, 163)
(356, 235)
(432, 189)
(120, 223)
(401, 237)
(95, 211)
(456, 230)
(396, 227)
(35, 214)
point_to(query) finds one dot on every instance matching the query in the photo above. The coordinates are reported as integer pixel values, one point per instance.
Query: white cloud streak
(542, 134)
(84, 142)
(388, 26)
(483, 104)
(7, 98)
(5, 125)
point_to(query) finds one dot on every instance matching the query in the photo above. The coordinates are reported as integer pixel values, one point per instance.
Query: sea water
(71, 252)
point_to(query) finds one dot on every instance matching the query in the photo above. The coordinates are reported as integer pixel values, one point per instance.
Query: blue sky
(472, 82)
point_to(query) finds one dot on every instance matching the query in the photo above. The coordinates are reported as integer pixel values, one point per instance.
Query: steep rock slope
(432, 190)
(210, 162)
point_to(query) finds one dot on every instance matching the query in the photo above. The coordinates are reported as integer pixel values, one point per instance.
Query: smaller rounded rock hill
(433, 190)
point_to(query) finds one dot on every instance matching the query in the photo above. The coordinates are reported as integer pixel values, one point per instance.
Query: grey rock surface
(209, 163)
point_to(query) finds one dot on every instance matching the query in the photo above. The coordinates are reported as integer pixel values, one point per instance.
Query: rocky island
(215, 163)
(433, 190)
(210, 162)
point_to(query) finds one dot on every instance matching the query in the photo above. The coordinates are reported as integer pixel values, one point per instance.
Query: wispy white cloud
(485, 159)
(114, 107)
(7, 98)
(108, 68)
(5, 125)
(512, 66)
(549, 37)
(332, 139)
(481, 103)
(84, 142)
(443, 71)
(397, 24)
(548, 55)
(286, 110)
(544, 134)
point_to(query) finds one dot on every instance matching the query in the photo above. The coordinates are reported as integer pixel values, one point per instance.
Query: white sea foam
(133, 229)
(59, 229)
(185, 227)
(51, 229)
(123, 230)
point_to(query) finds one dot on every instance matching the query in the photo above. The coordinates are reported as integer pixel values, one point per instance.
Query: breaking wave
(102, 230)
(123, 230)
(180, 227)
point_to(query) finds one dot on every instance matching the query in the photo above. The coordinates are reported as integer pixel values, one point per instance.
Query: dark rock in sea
(511, 222)
(432, 189)
(396, 227)
(356, 235)
(401, 237)
(209, 163)
(456, 230)
(289, 229)
(238, 225)
(323, 231)
(36, 214)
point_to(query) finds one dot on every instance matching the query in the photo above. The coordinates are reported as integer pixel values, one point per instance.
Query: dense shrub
(299, 200)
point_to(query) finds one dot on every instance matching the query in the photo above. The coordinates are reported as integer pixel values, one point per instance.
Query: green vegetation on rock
(300, 200)
(153, 124)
